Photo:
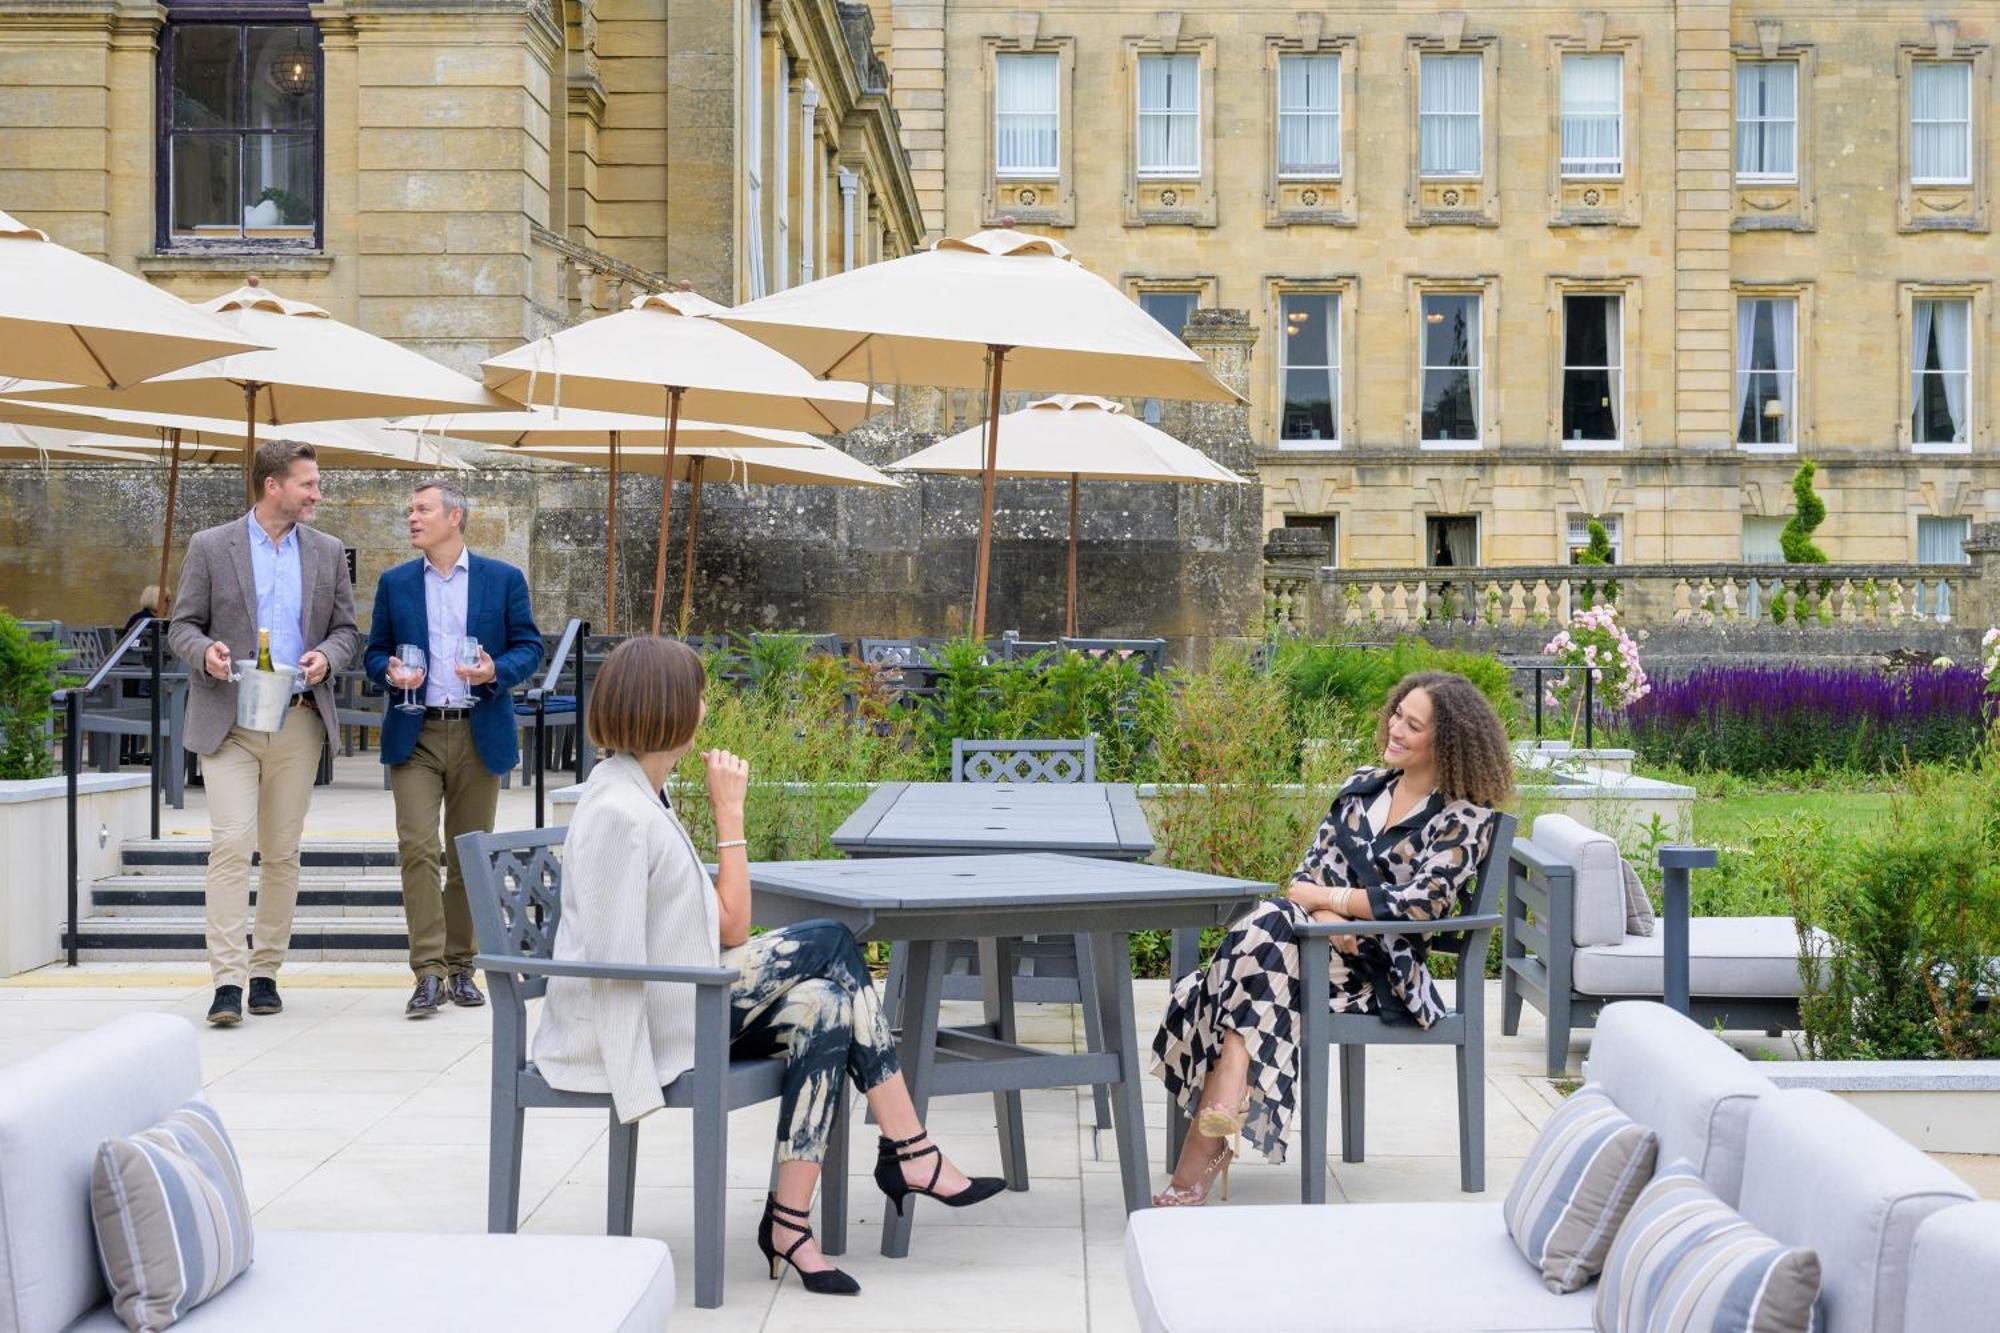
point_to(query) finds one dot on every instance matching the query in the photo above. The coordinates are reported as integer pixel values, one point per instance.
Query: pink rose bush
(1594, 641)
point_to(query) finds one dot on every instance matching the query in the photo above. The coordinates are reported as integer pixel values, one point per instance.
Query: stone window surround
(1145, 198)
(1337, 192)
(1058, 208)
(1343, 287)
(1631, 428)
(1791, 202)
(1980, 431)
(1977, 216)
(1487, 287)
(1804, 437)
(1487, 211)
(1629, 183)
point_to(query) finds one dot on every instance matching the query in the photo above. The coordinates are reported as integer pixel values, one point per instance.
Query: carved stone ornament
(1169, 198)
(1027, 28)
(1451, 27)
(1593, 30)
(1310, 198)
(1450, 198)
(1167, 28)
(1591, 198)
(1028, 197)
(1769, 33)
(1312, 26)
(1944, 33)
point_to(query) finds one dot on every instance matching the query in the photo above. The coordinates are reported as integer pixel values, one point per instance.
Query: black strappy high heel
(826, 1282)
(889, 1159)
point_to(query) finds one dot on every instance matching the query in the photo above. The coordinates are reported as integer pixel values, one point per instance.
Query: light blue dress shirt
(280, 595)
(445, 598)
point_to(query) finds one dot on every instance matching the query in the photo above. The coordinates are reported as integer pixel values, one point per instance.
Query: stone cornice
(1824, 459)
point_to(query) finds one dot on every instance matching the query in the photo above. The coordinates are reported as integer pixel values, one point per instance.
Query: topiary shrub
(1796, 539)
(1598, 552)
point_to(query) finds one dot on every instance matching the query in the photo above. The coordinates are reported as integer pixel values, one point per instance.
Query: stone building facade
(456, 174)
(1518, 264)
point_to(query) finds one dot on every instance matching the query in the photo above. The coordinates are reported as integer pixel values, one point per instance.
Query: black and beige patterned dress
(1423, 867)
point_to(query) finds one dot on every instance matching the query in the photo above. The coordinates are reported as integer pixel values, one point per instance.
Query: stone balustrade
(579, 283)
(1303, 599)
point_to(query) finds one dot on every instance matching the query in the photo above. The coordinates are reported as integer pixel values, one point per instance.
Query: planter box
(34, 832)
(1939, 1105)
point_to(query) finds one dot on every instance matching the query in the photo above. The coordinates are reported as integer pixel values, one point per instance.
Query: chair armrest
(1450, 925)
(549, 967)
(1527, 854)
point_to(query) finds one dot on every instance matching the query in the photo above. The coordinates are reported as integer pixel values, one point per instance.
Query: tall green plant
(1809, 511)
(1597, 553)
(29, 673)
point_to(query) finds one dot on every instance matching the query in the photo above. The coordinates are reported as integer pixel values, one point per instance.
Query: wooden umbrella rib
(695, 468)
(674, 393)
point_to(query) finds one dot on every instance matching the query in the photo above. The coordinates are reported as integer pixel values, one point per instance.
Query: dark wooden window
(240, 128)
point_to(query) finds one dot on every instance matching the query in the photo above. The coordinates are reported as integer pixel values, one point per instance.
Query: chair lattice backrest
(513, 884)
(1149, 655)
(1024, 761)
(890, 652)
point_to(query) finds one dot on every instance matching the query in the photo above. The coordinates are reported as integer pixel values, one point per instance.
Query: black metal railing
(1539, 670)
(69, 700)
(572, 651)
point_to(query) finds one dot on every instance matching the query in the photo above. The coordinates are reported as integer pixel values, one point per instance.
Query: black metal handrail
(1541, 669)
(70, 700)
(575, 640)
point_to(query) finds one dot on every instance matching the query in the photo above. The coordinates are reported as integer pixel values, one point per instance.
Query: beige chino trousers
(444, 774)
(259, 784)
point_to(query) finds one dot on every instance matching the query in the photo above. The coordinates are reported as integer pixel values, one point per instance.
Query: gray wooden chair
(1463, 1028)
(514, 884)
(1024, 761)
(1149, 655)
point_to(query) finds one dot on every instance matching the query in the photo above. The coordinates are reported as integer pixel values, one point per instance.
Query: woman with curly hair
(1403, 841)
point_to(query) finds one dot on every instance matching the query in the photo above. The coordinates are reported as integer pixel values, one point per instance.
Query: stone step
(183, 895)
(315, 938)
(329, 856)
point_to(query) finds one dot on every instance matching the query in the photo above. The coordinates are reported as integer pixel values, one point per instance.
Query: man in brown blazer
(265, 570)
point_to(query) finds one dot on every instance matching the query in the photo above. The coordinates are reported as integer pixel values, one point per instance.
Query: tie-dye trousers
(804, 996)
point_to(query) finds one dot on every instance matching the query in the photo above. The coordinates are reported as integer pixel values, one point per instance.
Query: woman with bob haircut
(1402, 842)
(635, 891)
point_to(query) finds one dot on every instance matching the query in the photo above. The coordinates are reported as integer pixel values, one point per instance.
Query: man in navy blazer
(471, 618)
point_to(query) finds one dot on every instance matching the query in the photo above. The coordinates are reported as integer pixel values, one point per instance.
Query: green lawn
(1725, 821)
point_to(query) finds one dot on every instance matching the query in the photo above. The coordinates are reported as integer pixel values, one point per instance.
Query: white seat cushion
(1411, 1267)
(1822, 1174)
(340, 1281)
(1735, 956)
(1598, 916)
(1669, 1072)
(1953, 1268)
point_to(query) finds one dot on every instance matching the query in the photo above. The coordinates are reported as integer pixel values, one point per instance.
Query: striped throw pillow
(1582, 1175)
(1686, 1262)
(173, 1221)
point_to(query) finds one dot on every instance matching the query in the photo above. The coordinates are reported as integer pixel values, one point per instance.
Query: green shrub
(1795, 540)
(1355, 682)
(28, 675)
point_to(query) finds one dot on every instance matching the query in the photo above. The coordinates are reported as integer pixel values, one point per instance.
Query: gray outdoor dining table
(956, 818)
(927, 902)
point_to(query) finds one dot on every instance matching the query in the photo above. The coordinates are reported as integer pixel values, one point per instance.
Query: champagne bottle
(263, 649)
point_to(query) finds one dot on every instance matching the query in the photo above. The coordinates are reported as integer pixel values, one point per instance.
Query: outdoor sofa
(1566, 951)
(57, 1106)
(1895, 1232)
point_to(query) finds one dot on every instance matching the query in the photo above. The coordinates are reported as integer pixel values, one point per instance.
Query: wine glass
(412, 658)
(468, 657)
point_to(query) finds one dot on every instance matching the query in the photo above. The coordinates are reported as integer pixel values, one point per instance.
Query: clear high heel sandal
(1215, 1123)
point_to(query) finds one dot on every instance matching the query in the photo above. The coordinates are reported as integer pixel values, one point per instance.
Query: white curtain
(1593, 90)
(1941, 541)
(1954, 321)
(1784, 327)
(1309, 114)
(1941, 121)
(1169, 114)
(1766, 118)
(1746, 342)
(1448, 115)
(1027, 114)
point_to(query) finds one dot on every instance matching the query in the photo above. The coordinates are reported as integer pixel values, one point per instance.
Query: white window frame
(1968, 374)
(1616, 366)
(1332, 368)
(1035, 171)
(1331, 114)
(1190, 171)
(1576, 531)
(1965, 66)
(1594, 168)
(1790, 444)
(1740, 120)
(1477, 115)
(1477, 369)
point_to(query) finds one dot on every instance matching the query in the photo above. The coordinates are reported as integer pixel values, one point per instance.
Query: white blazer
(634, 891)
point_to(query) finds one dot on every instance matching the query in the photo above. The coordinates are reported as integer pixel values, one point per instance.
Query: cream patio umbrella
(1080, 438)
(316, 369)
(814, 464)
(68, 318)
(996, 306)
(667, 355)
(609, 431)
(29, 444)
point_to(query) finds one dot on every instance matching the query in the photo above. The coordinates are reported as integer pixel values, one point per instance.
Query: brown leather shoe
(461, 990)
(424, 1000)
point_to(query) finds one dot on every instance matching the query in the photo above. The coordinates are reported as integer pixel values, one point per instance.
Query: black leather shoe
(227, 1011)
(461, 990)
(424, 1000)
(264, 996)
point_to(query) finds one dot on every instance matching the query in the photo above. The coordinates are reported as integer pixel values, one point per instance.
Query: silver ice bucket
(262, 698)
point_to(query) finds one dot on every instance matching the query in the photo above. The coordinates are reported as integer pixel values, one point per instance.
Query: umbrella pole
(1069, 617)
(249, 442)
(666, 502)
(611, 546)
(999, 358)
(694, 524)
(167, 534)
